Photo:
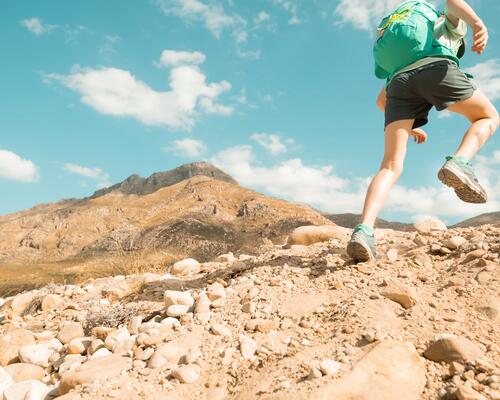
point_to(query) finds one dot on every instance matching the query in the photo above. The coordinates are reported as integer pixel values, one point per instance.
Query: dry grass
(16, 278)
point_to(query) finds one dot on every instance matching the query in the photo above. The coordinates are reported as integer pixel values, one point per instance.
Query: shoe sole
(465, 189)
(359, 252)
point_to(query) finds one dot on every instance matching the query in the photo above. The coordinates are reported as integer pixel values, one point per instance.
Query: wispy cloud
(187, 147)
(97, 174)
(487, 77)
(273, 143)
(212, 16)
(108, 47)
(364, 14)
(36, 26)
(291, 6)
(15, 168)
(118, 92)
(175, 58)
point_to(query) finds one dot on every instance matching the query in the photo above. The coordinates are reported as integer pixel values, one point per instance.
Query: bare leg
(484, 118)
(396, 139)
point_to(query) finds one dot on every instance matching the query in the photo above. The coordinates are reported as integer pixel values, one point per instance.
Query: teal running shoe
(361, 247)
(460, 176)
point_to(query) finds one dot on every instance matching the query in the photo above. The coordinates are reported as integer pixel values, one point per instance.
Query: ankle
(365, 228)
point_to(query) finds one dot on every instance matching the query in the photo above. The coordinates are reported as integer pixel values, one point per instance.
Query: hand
(480, 36)
(419, 136)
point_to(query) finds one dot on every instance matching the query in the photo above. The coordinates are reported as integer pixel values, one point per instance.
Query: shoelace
(468, 165)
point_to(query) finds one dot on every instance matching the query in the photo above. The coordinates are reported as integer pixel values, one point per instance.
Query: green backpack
(406, 36)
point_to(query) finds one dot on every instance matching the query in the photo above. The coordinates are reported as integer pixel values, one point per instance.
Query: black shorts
(412, 94)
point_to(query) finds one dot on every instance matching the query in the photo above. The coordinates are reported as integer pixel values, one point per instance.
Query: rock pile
(298, 322)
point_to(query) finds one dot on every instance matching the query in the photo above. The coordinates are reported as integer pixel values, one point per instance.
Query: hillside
(492, 218)
(299, 323)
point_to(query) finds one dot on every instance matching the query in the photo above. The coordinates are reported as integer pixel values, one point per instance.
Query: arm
(382, 99)
(459, 9)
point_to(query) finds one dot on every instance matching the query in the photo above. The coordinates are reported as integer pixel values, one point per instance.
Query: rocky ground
(297, 322)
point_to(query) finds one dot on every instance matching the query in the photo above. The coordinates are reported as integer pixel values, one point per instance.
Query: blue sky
(278, 93)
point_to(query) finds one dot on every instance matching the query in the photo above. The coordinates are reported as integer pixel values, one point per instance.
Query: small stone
(177, 310)
(216, 291)
(401, 294)
(70, 331)
(102, 352)
(79, 345)
(134, 324)
(248, 347)
(392, 255)
(11, 342)
(430, 225)
(37, 354)
(172, 297)
(202, 304)
(455, 242)
(249, 307)
(314, 373)
(456, 368)
(23, 372)
(329, 367)
(26, 390)
(483, 277)
(101, 368)
(221, 330)
(186, 267)
(452, 348)
(118, 340)
(467, 393)
(187, 373)
(261, 325)
(50, 302)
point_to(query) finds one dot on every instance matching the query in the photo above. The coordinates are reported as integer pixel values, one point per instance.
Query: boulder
(26, 390)
(185, 267)
(310, 234)
(391, 370)
(24, 372)
(97, 369)
(449, 348)
(70, 331)
(11, 342)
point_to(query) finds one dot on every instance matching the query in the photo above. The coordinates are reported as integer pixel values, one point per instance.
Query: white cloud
(320, 187)
(249, 54)
(187, 147)
(261, 18)
(108, 46)
(97, 174)
(364, 14)
(487, 77)
(291, 7)
(117, 92)
(212, 15)
(35, 25)
(175, 58)
(273, 143)
(15, 168)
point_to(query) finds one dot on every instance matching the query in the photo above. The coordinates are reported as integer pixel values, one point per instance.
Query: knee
(396, 167)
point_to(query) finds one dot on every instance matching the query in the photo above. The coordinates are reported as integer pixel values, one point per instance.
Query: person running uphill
(417, 51)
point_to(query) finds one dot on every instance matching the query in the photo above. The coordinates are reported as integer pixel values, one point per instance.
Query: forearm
(460, 9)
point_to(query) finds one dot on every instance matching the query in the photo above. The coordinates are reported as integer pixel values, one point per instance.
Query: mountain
(140, 186)
(492, 218)
(351, 220)
(199, 212)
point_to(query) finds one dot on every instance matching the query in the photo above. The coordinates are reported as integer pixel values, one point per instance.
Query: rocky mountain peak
(136, 184)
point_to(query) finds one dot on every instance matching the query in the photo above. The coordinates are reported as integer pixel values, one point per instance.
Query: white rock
(102, 352)
(2, 302)
(171, 322)
(187, 373)
(202, 304)
(37, 354)
(172, 297)
(248, 347)
(79, 345)
(329, 367)
(55, 345)
(5, 381)
(26, 390)
(216, 291)
(117, 340)
(455, 242)
(221, 330)
(177, 310)
(134, 324)
(229, 257)
(186, 267)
